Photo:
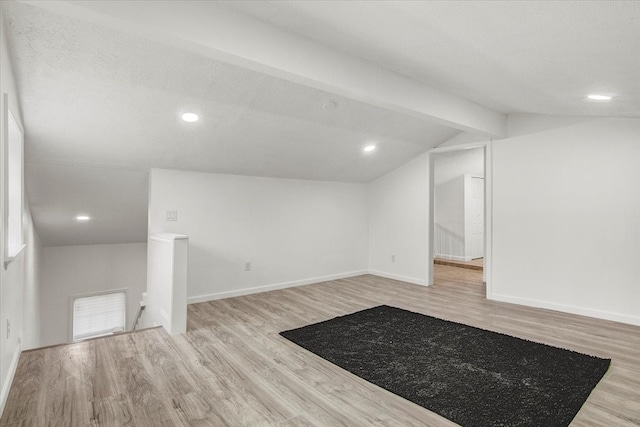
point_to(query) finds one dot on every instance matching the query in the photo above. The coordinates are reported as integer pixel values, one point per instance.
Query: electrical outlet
(8, 328)
(393, 258)
(247, 266)
(172, 215)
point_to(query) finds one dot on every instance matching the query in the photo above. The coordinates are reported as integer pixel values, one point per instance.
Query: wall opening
(458, 219)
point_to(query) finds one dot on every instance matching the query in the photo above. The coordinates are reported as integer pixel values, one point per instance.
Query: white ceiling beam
(206, 28)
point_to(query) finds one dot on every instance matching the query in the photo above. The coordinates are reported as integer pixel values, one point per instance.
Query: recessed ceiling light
(83, 218)
(369, 148)
(598, 97)
(190, 117)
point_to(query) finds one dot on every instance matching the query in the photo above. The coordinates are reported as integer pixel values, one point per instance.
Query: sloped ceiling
(103, 85)
(536, 57)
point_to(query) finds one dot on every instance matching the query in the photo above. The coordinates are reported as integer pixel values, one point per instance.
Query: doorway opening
(457, 217)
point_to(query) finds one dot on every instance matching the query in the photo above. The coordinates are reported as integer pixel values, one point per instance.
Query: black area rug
(468, 375)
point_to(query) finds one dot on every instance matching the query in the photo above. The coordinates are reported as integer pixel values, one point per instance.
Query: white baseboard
(9, 380)
(598, 314)
(266, 288)
(453, 257)
(393, 276)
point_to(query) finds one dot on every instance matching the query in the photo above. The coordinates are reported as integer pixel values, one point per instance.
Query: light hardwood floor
(474, 264)
(233, 369)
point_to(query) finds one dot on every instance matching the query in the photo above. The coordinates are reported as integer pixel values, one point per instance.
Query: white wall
(454, 164)
(18, 298)
(19, 279)
(33, 259)
(566, 217)
(293, 231)
(77, 270)
(398, 209)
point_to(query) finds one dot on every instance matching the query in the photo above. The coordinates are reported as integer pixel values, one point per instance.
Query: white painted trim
(431, 214)
(488, 206)
(599, 314)
(407, 279)
(12, 372)
(11, 252)
(273, 287)
(167, 237)
(487, 270)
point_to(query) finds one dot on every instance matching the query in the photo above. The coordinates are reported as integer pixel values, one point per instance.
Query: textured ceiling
(102, 91)
(513, 56)
(102, 106)
(95, 96)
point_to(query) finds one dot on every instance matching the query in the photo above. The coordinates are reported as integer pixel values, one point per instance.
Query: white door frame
(468, 179)
(488, 185)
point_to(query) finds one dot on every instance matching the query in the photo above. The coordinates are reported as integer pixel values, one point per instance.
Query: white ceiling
(116, 200)
(538, 57)
(102, 89)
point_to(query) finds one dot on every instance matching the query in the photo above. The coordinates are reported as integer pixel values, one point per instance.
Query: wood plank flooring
(474, 264)
(233, 369)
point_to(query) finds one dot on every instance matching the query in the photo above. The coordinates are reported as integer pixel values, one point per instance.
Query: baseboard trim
(266, 288)
(7, 384)
(598, 314)
(393, 276)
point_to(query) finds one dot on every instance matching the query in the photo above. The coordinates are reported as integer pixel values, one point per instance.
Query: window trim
(72, 298)
(12, 251)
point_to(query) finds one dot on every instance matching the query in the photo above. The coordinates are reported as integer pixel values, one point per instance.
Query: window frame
(72, 299)
(13, 241)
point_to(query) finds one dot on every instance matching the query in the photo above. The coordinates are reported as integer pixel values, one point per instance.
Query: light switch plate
(172, 215)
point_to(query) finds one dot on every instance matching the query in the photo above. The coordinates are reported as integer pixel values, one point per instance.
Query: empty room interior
(318, 213)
